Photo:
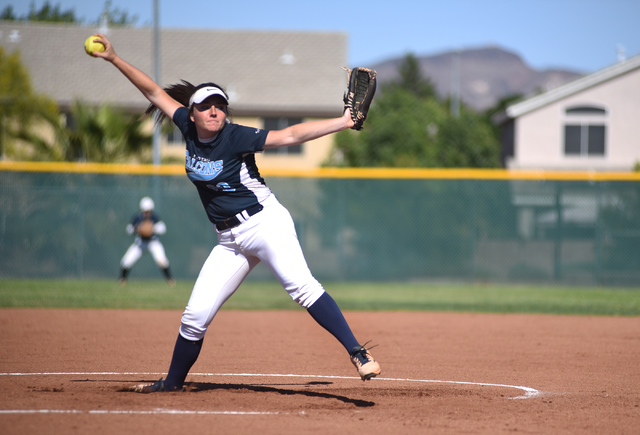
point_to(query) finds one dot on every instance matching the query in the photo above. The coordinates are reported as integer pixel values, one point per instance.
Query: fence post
(557, 251)
(80, 264)
(474, 228)
(598, 236)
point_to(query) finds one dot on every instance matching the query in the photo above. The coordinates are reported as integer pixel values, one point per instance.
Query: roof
(264, 72)
(531, 104)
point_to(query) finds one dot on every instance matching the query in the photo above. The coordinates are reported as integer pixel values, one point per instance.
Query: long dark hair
(181, 92)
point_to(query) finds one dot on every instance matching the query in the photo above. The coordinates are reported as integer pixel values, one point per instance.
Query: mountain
(486, 75)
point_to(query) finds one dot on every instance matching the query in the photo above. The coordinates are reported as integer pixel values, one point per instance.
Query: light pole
(156, 73)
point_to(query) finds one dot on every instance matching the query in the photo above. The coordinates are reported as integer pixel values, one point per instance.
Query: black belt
(233, 221)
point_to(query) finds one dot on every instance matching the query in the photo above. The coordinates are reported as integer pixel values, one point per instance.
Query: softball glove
(361, 87)
(145, 228)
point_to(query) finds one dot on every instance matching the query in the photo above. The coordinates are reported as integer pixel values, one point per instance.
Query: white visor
(202, 94)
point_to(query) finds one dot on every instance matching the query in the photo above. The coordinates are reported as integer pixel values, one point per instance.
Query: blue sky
(580, 35)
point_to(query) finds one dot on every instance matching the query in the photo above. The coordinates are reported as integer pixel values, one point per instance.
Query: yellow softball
(90, 47)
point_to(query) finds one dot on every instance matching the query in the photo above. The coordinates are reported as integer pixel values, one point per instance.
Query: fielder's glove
(361, 87)
(145, 228)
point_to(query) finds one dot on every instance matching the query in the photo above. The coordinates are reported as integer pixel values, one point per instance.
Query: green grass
(155, 294)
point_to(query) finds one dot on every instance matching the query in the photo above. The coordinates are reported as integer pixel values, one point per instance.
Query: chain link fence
(72, 225)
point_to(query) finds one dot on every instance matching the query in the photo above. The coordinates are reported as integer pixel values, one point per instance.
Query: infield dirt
(275, 372)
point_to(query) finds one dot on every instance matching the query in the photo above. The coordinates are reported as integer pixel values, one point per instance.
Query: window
(585, 131)
(584, 139)
(279, 124)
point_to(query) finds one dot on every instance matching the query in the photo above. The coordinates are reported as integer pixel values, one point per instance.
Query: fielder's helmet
(146, 204)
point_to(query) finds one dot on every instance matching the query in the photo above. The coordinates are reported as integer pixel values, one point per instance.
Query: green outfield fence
(64, 220)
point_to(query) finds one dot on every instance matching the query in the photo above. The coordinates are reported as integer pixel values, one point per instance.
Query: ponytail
(181, 92)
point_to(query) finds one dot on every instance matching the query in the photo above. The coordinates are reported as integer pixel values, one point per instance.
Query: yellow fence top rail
(371, 173)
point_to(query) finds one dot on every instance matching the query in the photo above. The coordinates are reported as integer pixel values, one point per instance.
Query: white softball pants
(268, 236)
(135, 251)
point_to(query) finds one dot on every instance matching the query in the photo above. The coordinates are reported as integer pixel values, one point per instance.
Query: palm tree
(104, 134)
(85, 134)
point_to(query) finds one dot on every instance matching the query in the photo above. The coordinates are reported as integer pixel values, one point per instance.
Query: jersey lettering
(198, 170)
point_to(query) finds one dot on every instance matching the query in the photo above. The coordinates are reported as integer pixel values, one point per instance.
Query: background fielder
(147, 226)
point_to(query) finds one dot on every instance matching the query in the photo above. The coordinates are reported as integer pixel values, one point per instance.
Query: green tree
(116, 16)
(50, 13)
(21, 108)
(410, 77)
(467, 142)
(408, 127)
(47, 12)
(400, 131)
(7, 14)
(90, 134)
(54, 14)
(103, 134)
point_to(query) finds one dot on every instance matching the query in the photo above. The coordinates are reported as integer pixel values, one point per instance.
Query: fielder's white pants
(135, 251)
(268, 236)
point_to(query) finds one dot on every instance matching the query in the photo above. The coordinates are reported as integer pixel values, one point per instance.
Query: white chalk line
(529, 393)
(154, 412)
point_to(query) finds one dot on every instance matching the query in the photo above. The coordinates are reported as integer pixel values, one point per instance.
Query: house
(273, 78)
(588, 124)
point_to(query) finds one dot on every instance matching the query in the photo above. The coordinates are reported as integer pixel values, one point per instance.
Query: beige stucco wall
(539, 135)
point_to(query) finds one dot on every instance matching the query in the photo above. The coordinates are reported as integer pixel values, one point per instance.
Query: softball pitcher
(252, 226)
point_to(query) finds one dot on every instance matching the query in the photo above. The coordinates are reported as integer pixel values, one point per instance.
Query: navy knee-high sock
(185, 354)
(325, 311)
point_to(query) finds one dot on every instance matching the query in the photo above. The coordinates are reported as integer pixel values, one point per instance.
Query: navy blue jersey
(142, 216)
(224, 171)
